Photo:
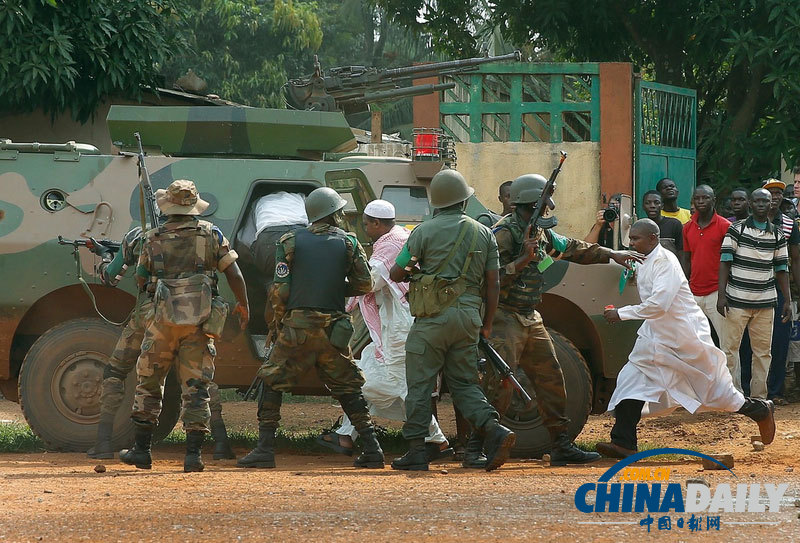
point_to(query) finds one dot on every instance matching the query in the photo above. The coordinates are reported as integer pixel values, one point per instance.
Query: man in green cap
(457, 259)
(178, 265)
(316, 269)
(518, 333)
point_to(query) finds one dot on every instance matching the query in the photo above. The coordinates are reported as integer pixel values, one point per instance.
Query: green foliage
(17, 437)
(246, 49)
(742, 57)
(64, 55)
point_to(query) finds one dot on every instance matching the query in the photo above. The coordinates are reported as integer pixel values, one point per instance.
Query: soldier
(457, 259)
(126, 352)
(316, 269)
(178, 263)
(518, 333)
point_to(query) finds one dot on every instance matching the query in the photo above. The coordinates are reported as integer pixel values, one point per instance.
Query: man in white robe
(388, 319)
(674, 362)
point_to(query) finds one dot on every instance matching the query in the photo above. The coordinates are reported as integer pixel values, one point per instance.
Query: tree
(246, 49)
(742, 57)
(70, 55)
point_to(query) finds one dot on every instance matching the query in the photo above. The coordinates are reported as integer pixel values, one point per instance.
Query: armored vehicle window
(410, 203)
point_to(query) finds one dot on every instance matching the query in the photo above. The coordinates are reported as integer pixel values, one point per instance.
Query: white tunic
(674, 362)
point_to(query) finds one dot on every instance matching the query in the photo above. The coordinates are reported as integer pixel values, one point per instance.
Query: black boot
(371, 455)
(497, 442)
(565, 452)
(473, 453)
(139, 454)
(222, 447)
(102, 446)
(416, 459)
(263, 456)
(193, 461)
(437, 454)
(763, 412)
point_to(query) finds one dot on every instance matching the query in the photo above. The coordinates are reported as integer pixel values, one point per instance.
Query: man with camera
(602, 231)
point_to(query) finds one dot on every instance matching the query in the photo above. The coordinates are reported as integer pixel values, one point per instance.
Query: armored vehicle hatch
(229, 130)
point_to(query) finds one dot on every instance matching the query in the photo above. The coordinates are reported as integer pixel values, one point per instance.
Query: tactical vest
(525, 290)
(183, 272)
(319, 269)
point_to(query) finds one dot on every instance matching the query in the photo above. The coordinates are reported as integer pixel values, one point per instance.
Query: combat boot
(193, 461)
(565, 452)
(416, 459)
(102, 446)
(263, 456)
(763, 412)
(497, 444)
(222, 447)
(473, 453)
(139, 454)
(371, 455)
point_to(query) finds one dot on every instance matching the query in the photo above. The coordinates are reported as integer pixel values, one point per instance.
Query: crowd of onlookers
(742, 261)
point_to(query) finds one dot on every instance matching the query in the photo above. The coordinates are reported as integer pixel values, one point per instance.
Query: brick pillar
(426, 107)
(616, 128)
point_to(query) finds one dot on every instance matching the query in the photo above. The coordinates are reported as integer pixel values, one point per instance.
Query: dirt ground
(58, 496)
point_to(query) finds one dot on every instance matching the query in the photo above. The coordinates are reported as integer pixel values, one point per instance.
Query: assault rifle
(102, 247)
(257, 385)
(545, 201)
(503, 369)
(147, 200)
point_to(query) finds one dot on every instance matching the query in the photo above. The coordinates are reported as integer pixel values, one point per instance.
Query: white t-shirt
(277, 209)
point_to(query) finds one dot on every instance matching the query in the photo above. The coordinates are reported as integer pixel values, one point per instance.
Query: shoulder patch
(282, 270)
(218, 233)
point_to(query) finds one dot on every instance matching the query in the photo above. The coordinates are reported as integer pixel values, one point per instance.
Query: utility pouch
(185, 301)
(341, 333)
(429, 294)
(216, 320)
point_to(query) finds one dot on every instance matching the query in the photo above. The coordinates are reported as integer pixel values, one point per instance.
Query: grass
(18, 437)
(592, 446)
(233, 395)
(298, 442)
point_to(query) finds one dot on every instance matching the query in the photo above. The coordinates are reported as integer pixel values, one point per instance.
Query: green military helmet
(528, 188)
(323, 202)
(448, 187)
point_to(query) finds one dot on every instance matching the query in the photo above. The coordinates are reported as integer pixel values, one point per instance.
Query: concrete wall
(487, 165)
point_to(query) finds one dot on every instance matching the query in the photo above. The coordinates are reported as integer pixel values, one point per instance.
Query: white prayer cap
(379, 209)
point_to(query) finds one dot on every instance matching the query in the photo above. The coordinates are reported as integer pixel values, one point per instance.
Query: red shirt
(704, 245)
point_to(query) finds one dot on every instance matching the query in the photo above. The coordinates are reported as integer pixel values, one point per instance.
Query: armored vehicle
(53, 341)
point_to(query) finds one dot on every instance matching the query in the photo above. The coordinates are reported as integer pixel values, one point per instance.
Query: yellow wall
(487, 165)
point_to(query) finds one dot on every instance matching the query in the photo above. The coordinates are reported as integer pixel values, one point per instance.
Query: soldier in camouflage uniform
(518, 333)
(316, 269)
(126, 352)
(457, 259)
(181, 252)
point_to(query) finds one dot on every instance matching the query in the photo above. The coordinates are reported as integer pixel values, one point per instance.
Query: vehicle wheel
(60, 383)
(533, 440)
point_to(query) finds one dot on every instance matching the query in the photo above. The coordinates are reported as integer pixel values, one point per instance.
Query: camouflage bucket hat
(180, 198)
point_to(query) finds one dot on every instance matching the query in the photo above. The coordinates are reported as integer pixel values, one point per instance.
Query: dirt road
(59, 497)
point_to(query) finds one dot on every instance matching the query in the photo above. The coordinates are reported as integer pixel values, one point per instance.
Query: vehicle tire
(533, 440)
(60, 383)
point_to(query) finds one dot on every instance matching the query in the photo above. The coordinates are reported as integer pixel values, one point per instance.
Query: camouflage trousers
(195, 352)
(123, 360)
(524, 342)
(303, 344)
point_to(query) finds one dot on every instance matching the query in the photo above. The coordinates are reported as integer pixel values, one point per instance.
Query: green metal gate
(665, 138)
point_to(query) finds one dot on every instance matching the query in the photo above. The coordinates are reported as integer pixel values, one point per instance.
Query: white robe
(674, 362)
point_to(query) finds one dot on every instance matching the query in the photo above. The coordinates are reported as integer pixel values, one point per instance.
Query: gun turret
(351, 89)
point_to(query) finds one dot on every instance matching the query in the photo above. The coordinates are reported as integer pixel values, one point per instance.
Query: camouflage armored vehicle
(53, 343)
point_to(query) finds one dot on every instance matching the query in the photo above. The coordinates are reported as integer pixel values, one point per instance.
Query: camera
(610, 214)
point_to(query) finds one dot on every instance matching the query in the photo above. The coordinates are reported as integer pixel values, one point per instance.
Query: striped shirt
(755, 253)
